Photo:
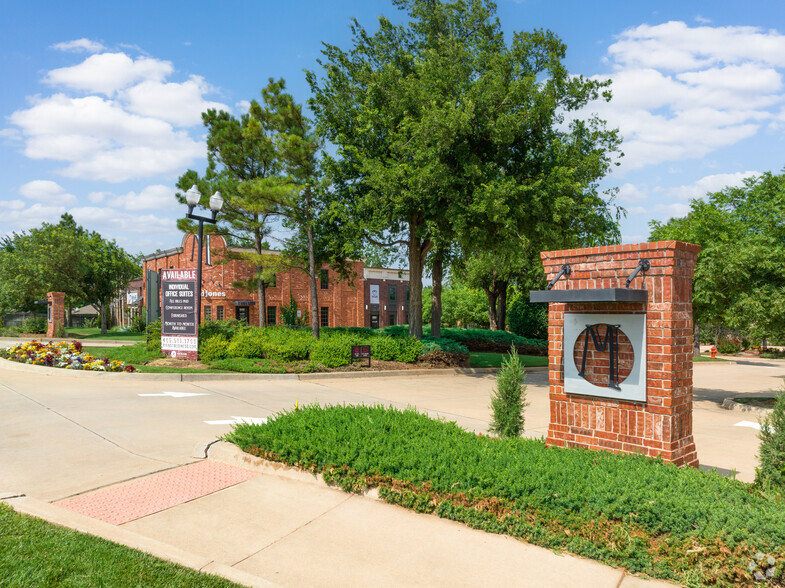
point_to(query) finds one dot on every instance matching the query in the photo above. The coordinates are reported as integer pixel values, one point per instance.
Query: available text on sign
(178, 313)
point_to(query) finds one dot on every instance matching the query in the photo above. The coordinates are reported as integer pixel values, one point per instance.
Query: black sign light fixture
(192, 197)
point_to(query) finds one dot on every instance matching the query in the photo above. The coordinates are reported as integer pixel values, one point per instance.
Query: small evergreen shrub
(138, 323)
(509, 398)
(430, 345)
(286, 344)
(771, 473)
(728, 346)
(333, 351)
(34, 324)
(409, 349)
(153, 332)
(92, 322)
(528, 319)
(247, 344)
(214, 348)
(289, 313)
(384, 348)
(226, 328)
(60, 331)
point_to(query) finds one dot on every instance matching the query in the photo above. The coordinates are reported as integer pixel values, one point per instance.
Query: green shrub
(728, 346)
(771, 473)
(383, 348)
(153, 334)
(247, 344)
(226, 328)
(289, 313)
(333, 351)
(92, 322)
(214, 348)
(409, 349)
(431, 345)
(138, 323)
(528, 319)
(34, 324)
(284, 344)
(508, 399)
(60, 331)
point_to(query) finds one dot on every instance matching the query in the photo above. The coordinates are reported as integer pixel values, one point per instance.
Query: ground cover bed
(36, 553)
(686, 525)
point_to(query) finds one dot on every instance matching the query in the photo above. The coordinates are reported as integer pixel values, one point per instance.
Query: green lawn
(481, 360)
(36, 553)
(707, 358)
(95, 333)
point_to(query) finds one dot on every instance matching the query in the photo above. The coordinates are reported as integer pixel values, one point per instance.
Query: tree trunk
(315, 318)
(418, 249)
(261, 293)
(492, 314)
(436, 295)
(102, 314)
(501, 305)
(696, 340)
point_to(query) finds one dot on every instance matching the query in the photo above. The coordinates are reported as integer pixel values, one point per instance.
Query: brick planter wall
(57, 301)
(662, 425)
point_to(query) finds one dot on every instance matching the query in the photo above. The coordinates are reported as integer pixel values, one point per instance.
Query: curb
(191, 377)
(730, 404)
(64, 518)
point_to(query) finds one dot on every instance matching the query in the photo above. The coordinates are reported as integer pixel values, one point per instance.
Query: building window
(392, 319)
(325, 316)
(393, 292)
(271, 318)
(407, 294)
(219, 313)
(323, 279)
(208, 312)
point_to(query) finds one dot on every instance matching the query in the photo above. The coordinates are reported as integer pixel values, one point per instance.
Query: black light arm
(565, 270)
(644, 265)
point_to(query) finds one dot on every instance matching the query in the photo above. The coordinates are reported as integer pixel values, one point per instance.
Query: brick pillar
(661, 425)
(55, 312)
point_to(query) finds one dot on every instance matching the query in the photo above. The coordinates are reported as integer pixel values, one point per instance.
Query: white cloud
(682, 92)
(631, 193)
(46, 191)
(12, 204)
(106, 73)
(121, 221)
(242, 107)
(673, 210)
(180, 104)
(155, 197)
(101, 141)
(97, 197)
(79, 45)
(33, 216)
(710, 184)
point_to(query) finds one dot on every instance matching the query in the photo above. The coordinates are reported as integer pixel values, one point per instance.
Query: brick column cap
(626, 248)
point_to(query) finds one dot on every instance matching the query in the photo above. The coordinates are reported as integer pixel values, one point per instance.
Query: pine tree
(509, 397)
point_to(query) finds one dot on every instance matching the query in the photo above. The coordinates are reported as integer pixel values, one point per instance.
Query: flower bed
(64, 355)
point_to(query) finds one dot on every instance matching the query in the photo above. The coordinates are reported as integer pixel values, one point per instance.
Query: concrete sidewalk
(271, 524)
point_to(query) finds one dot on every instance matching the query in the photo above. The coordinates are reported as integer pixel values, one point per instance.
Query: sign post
(179, 335)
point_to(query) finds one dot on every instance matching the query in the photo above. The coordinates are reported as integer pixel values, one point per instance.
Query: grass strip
(629, 511)
(111, 334)
(481, 359)
(36, 553)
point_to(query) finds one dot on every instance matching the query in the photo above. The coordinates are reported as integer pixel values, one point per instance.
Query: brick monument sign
(55, 312)
(620, 348)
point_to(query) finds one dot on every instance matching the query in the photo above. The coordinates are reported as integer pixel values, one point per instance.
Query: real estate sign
(179, 337)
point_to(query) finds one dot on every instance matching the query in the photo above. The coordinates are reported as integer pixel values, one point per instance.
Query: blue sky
(100, 101)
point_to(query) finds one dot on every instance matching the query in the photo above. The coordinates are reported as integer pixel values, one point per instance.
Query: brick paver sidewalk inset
(138, 498)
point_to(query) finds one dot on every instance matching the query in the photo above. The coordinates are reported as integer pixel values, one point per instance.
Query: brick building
(376, 297)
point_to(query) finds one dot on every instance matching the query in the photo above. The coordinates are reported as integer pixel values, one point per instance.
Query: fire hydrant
(713, 352)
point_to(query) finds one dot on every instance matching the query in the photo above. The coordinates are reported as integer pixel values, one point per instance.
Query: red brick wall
(344, 300)
(662, 425)
(57, 301)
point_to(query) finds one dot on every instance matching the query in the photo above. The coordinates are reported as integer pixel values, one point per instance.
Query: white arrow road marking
(749, 424)
(240, 420)
(178, 394)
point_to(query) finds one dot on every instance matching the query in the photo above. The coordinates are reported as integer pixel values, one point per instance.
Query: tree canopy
(740, 276)
(447, 134)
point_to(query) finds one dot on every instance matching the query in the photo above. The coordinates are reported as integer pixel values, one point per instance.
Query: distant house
(85, 313)
(128, 304)
(377, 297)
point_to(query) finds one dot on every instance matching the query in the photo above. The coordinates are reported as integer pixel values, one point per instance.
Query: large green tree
(240, 151)
(740, 276)
(446, 133)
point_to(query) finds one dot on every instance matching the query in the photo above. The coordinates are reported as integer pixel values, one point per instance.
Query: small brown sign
(361, 352)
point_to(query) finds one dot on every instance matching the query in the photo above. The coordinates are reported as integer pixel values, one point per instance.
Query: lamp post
(192, 197)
